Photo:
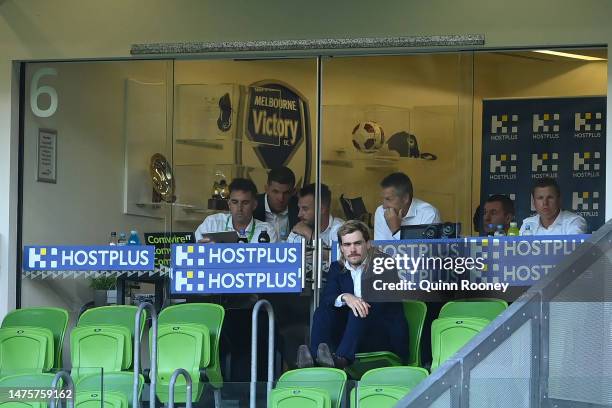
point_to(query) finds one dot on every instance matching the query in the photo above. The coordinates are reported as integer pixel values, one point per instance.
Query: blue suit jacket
(339, 281)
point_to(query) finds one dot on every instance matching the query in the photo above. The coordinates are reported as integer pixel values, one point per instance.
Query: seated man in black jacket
(278, 206)
(344, 321)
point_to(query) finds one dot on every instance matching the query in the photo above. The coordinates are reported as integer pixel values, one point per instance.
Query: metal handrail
(63, 375)
(254, 318)
(153, 372)
(175, 374)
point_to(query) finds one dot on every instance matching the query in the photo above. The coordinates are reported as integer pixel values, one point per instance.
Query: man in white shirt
(242, 203)
(344, 321)
(550, 219)
(278, 206)
(400, 207)
(329, 224)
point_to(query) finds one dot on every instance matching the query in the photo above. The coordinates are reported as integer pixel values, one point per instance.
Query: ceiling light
(570, 55)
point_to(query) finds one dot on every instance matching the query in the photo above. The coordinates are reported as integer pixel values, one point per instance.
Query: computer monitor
(431, 231)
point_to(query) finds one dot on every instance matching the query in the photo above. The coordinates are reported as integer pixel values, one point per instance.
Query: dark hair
(400, 182)
(506, 202)
(546, 182)
(351, 226)
(282, 175)
(311, 189)
(243, 184)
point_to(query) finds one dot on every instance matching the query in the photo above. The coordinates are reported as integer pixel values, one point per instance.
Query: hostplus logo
(544, 165)
(503, 167)
(186, 281)
(504, 127)
(188, 256)
(586, 165)
(588, 125)
(545, 126)
(586, 203)
(42, 258)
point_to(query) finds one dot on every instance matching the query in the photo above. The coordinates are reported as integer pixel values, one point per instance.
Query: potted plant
(105, 290)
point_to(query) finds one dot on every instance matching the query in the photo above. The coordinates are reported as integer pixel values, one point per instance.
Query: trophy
(220, 193)
(163, 181)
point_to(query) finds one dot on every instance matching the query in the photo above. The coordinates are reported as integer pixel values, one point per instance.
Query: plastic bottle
(499, 232)
(513, 230)
(242, 237)
(113, 239)
(134, 239)
(527, 231)
(122, 239)
(491, 229)
(263, 237)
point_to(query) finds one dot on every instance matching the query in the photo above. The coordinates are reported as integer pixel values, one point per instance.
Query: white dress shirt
(356, 275)
(420, 212)
(279, 221)
(223, 222)
(330, 234)
(566, 223)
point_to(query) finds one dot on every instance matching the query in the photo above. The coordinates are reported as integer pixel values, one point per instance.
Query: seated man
(498, 210)
(328, 225)
(344, 321)
(278, 206)
(400, 207)
(550, 219)
(242, 203)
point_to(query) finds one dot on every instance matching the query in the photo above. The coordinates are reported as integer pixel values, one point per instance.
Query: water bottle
(513, 230)
(527, 231)
(113, 239)
(499, 232)
(134, 240)
(263, 237)
(122, 239)
(491, 229)
(242, 237)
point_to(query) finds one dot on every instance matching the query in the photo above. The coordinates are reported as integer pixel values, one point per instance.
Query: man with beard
(329, 224)
(344, 322)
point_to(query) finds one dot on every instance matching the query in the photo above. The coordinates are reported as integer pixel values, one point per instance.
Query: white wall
(67, 29)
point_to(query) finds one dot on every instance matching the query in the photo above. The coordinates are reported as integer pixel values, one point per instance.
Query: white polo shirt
(566, 223)
(223, 222)
(279, 221)
(330, 234)
(420, 212)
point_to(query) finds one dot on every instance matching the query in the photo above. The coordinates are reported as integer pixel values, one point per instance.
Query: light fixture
(570, 55)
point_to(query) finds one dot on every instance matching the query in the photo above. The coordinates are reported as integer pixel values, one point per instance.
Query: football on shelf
(368, 137)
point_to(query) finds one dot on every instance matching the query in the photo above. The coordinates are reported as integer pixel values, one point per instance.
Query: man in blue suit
(344, 321)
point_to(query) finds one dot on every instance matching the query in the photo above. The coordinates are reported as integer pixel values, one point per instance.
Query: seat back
(94, 399)
(179, 346)
(449, 334)
(95, 347)
(297, 397)
(117, 382)
(378, 396)
(482, 308)
(330, 380)
(415, 312)
(118, 315)
(53, 318)
(401, 376)
(23, 349)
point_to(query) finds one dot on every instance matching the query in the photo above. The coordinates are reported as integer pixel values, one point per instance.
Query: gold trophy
(163, 181)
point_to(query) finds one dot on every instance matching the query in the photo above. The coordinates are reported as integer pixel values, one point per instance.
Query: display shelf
(204, 143)
(216, 140)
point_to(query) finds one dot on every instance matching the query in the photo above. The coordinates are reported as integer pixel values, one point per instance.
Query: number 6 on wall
(35, 92)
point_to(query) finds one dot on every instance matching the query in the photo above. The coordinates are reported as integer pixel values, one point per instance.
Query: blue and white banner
(517, 261)
(524, 140)
(236, 268)
(88, 258)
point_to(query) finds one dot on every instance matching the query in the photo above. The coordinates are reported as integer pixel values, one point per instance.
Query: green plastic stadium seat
(25, 349)
(209, 315)
(414, 312)
(119, 315)
(486, 309)
(449, 334)
(117, 382)
(383, 387)
(309, 387)
(184, 346)
(93, 399)
(52, 318)
(96, 347)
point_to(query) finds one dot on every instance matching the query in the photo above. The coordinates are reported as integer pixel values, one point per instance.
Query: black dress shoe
(304, 358)
(324, 356)
(340, 362)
